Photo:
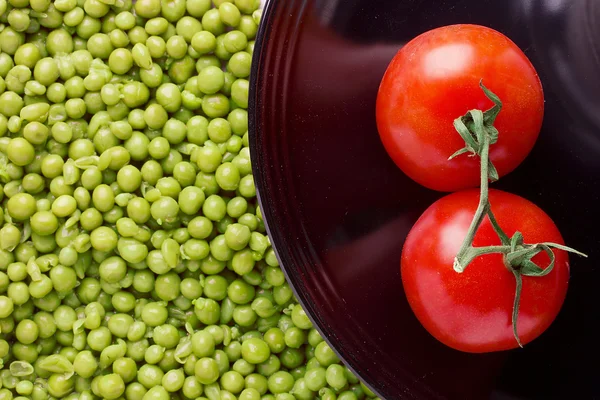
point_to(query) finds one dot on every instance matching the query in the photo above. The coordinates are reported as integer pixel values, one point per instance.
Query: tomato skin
(472, 311)
(433, 80)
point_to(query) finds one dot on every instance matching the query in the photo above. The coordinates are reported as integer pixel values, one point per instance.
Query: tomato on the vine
(471, 311)
(434, 79)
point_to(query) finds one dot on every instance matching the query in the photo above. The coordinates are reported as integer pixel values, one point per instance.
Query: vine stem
(467, 252)
(477, 129)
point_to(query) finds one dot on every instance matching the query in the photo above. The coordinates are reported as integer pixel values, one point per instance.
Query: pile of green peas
(134, 262)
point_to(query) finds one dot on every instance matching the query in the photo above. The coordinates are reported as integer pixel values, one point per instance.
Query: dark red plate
(338, 210)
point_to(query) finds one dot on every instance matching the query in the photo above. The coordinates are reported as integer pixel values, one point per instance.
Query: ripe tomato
(433, 80)
(472, 311)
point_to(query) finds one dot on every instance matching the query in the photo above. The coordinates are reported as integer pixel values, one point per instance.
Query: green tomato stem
(460, 261)
(477, 129)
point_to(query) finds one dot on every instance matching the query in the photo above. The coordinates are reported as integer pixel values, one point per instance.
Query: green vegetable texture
(134, 262)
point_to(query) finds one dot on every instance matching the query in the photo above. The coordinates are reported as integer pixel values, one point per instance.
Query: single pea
(90, 219)
(191, 200)
(64, 206)
(325, 355)
(123, 302)
(103, 198)
(210, 80)
(74, 87)
(81, 148)
(197, 8)
(257, 382)
(203, 42)
(235, 41)
(132, 250)
(129, 178)
(20, 151)
(158, 148)
(167, 286)
(119, 38)
(214, 208)
(164, 210)
(211, 21)
(200, 227)
(173, 380)
(335, 376)
(248, 26)
(181, 70)
(111, 386)
(206, 371)
(174, 10)
(207, 310)
(72, 18)
(185, 173)
(228, 177)
(27, 55)
(232, 381)
(95, 8)
(239, 64)
(255, 350)
(18, 20)
(176, 47)
(155, 116)
(156, 26)
(21, 206)
(149, 375)
(59, 385)
(120, 61)
(203, 344)
(174, 131)
(217, 105)
(135, 94)
(147, 8)
(208, 158)
(169, 97)
(275, 338)
(281, 382)
(125, 20)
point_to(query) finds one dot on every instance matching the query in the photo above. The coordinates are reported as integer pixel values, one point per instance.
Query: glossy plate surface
(338, 209)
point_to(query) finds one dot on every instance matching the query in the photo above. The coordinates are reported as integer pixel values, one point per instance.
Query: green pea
(206, 371)
(211, 21)
(255, 350)
(150, 375)
(181, 70)
(74, 17)
(167, 286)
(59, 385)
(325, 355)
(141, 56)
(217, 105)
(173, 380)
(207, 311)
(126, 368)
(211, 80)
(111, 386)
(176, 47)
(147, 8)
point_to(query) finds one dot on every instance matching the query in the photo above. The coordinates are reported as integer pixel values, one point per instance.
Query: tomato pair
(430, 82)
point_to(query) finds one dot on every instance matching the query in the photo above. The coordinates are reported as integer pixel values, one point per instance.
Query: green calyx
(475, 126)
(478, 132)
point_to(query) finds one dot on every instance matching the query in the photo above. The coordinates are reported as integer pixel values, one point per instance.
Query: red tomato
(472, 311)
(433, 80)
